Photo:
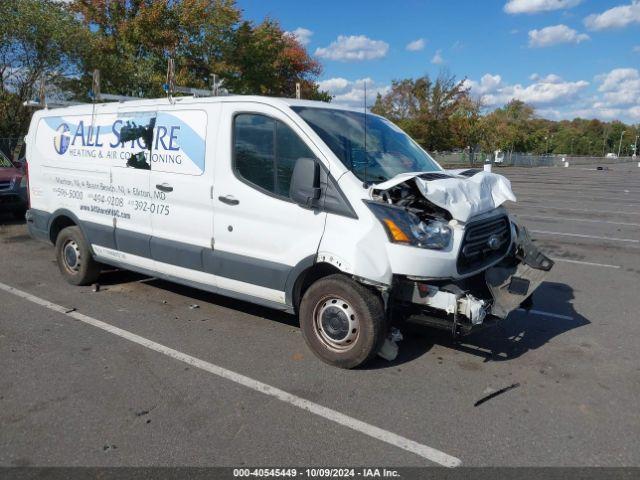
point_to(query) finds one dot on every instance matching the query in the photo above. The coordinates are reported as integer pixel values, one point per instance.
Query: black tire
(346, 332)
(74, 257)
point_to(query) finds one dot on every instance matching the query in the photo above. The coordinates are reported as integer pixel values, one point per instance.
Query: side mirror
(305, 183)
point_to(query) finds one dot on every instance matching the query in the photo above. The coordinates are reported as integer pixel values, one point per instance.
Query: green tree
(425, 108)
(37, 38)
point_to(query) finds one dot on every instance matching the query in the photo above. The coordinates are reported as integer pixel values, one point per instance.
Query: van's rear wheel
(74, 257)
(342, 322)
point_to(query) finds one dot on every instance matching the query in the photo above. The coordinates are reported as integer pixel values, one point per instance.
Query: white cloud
(416, 45)
(620, 87)
(551, 78)
(554, 35)
(303, 35)
(636, 49)
(544, 91)
(437, 58)
(334, 84)
(535, 6)
(616, 17)
(351, 93)
(617, 95)
(353, 48)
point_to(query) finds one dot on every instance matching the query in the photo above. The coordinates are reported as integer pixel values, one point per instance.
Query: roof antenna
(366, 160)
(170, 86)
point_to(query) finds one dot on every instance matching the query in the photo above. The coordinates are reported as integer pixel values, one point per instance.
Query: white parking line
(613, 239)
(572, 200)
(580, 262)
(545, 314)
(419, 449)
(587, 220)
(544, 207)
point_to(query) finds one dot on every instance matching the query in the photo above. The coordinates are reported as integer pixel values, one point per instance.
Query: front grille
(4, 185)
(477, 250)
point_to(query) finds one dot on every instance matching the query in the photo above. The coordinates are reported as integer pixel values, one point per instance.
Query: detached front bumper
(462, 306)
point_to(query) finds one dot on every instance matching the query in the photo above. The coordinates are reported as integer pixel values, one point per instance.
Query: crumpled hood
(463, 193)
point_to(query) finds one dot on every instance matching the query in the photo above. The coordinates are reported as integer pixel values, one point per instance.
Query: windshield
(389, 151)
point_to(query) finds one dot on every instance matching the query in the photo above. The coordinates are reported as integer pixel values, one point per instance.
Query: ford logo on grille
(494, 242)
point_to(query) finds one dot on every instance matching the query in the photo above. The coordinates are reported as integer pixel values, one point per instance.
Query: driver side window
(265, 151)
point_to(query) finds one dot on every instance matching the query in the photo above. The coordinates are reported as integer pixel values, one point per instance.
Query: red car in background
(13, 188)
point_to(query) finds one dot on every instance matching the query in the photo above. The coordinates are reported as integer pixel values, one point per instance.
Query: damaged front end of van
(471, 263)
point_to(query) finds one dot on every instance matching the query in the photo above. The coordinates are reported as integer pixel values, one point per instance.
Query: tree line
(442, 115)
(130, 42)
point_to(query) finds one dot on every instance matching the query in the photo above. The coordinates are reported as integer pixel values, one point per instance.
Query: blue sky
(566, 57)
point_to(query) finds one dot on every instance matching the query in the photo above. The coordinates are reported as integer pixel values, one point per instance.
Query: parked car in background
(13, 187)
(612, 155)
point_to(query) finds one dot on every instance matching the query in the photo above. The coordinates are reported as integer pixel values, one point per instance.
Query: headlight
(23, 181)
(405, 227)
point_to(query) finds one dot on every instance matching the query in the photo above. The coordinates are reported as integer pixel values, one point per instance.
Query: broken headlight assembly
(405, 227)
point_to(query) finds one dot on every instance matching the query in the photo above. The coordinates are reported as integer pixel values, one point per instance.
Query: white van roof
(186, 100)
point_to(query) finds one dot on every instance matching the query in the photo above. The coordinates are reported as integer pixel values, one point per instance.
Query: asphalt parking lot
(77, 393)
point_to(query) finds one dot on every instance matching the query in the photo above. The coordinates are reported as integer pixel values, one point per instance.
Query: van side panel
(182, 178)
(67, 173)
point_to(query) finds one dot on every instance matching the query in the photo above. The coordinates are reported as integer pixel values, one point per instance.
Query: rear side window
(265, 152)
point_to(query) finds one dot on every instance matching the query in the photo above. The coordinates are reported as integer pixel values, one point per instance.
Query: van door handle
(164, 187)
(229, 200)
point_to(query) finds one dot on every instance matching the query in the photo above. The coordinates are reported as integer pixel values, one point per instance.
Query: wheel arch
(61, 219)
(303, 276)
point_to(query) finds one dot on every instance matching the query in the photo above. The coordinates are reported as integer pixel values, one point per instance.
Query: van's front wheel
(74, 257)
(342, 322)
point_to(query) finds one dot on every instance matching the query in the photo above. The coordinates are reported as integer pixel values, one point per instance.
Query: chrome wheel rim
(335, 323)
(71, 258)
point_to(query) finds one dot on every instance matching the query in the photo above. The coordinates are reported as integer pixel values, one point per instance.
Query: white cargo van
(301, 206)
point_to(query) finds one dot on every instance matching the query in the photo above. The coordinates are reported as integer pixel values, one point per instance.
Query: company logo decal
(171, 142)
(62, 139)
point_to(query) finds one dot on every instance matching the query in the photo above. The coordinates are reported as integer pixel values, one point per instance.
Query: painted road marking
(572, 200)
(571, 219)
(419, 449)
(545, 314)
(580, 262)
(612, 239)
(576, 209)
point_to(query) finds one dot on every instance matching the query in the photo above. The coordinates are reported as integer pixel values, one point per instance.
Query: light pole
(620, 144)
(635, 145)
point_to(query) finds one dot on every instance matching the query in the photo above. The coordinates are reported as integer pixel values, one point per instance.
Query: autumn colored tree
(133, 40)
(264, 60)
